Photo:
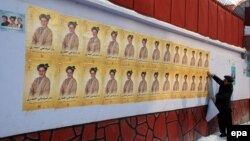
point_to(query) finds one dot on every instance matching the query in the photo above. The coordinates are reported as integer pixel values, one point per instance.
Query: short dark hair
(72, 23)
(13, 17)
(4, 17)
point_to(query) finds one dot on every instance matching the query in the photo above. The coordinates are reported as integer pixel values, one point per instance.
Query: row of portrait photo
(52, 34)
(62, 81)
(12, 21)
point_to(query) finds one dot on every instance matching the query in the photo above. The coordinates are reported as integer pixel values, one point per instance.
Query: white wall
(247, 30)
(14, 121)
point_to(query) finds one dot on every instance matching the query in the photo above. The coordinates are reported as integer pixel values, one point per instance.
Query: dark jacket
(223, 97)
(5, 23)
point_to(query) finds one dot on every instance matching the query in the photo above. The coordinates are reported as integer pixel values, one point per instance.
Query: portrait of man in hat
(192, 62)
(166, 85)
(200, 84)
(92, 86)
(167, 53)
(111, 87)
(71, 40)
(113, 47)
(156, 52)
(94, 44)
(155, 85)
(128, 86)
(193, 85)
(69, 85)
(144, 51)
(206, 61)
(200, 60)
(176, 83)
(176, 56)
(41, 85)
(143, 84)
(185, 83)
(223, 102)
(129, 50)
(43, 35)
(184, 58)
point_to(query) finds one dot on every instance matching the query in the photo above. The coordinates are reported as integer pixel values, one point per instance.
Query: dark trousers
(224, 119)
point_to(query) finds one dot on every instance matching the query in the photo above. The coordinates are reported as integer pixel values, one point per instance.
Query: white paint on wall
(247, 30)
(12, 60)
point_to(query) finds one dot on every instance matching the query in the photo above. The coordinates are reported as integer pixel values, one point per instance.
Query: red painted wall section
(183, 124)
(125, 3)
(162, 10)
(235, 31)
(178, 13)
(145, 7)
(241, 32)
(203, 17)
(221, 24)
(228, 28)
(212, 20)
(191, 18)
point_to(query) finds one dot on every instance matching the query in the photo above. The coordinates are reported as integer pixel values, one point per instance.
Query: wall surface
(179, 125)
(15, 121)
(206, 17)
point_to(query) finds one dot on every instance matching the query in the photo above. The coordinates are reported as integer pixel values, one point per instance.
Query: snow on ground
(247, 123)
(216, 136)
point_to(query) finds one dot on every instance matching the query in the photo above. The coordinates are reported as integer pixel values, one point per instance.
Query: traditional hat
(93, 69)
(45, 66)
(229, 78)
(112, 70)
(114, 32)
(145, 39)
(157, 42)
(95, 28)
(72, 23)
(71, 68)
(130, 72)
(47, 17)
(130, 36)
